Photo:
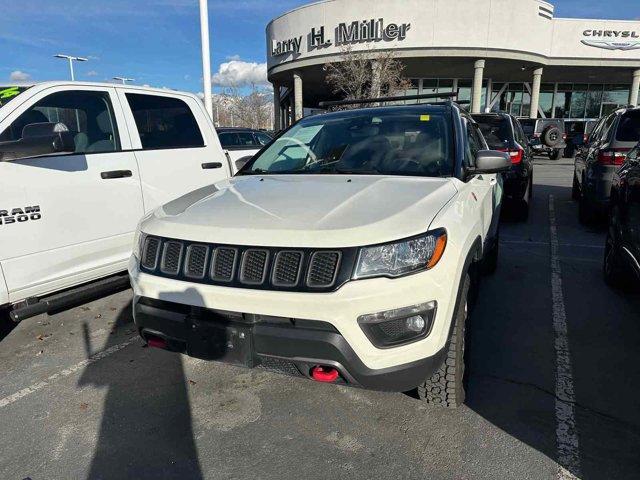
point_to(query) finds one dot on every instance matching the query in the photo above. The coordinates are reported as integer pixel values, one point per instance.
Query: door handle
(211, 165)
(116, 174)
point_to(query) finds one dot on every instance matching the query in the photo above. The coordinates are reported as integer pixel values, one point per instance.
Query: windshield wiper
(358, 171)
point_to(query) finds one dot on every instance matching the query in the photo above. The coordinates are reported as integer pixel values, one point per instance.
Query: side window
(606, 127)
(262, 138)
(164, 122)
(229, 139)
(88, 116)
(520, 136)
(475, 143)
(246, 139)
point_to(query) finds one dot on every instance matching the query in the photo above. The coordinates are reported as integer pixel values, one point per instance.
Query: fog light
(415, 323)
(399, 326)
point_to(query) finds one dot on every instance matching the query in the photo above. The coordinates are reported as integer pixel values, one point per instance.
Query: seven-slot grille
(249, 267)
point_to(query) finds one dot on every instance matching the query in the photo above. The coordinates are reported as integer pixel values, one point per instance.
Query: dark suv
(622, 253)
(504, 133)
(578, 132)
(546, 136)
(596, 163)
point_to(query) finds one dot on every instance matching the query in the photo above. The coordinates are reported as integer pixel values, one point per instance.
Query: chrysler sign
(612, 39)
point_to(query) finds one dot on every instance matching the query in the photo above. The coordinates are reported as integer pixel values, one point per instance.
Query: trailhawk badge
(20, 215)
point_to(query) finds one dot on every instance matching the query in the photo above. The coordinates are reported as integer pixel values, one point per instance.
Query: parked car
(578, 132)
(242, 143)
(504, 133)
(596, 163)
(344, 252)
(80, 164)
(546, 136)
(622, 252)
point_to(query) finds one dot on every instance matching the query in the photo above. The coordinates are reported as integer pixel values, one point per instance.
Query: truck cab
(80, 165)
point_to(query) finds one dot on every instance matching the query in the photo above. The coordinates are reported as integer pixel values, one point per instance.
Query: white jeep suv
(344, 252)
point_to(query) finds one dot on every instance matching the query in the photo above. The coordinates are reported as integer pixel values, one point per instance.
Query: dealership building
(501, 55)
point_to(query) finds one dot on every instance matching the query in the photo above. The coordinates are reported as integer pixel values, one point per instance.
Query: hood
(304, 210)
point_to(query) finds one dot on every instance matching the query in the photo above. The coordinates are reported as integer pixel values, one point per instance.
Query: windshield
(397, 141)
(9, 93)
(496, 131)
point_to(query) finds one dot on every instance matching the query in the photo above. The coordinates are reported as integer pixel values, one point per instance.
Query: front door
(68, 218)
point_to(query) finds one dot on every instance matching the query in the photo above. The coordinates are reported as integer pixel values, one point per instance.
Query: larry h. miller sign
(363, 31)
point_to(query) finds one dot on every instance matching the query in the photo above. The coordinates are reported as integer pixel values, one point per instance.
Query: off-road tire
(551, 136)
(616, 272)
(445, 387)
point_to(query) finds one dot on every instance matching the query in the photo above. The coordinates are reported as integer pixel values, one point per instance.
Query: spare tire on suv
(551, 136)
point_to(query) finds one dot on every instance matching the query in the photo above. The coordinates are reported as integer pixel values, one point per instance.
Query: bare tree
(252, 110)
(361, 75)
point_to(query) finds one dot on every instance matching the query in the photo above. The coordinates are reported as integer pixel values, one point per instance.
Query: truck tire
(575, 189)
(445, 388)
(551, 136)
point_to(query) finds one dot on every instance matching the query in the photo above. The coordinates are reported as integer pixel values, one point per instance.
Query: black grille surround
(250, 267)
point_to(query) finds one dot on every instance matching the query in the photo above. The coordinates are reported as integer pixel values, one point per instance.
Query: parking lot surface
(553, 390)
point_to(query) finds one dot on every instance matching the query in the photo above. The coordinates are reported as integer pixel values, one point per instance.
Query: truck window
(164, 122)
(87, 114)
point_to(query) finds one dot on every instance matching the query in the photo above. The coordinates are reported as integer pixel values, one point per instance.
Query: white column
(277, 110)
(535, 92)
(476, 93)
(635, 87)
(297, 94)
(206, 57)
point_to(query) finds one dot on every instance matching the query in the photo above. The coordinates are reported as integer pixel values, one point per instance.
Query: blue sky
(157, 42)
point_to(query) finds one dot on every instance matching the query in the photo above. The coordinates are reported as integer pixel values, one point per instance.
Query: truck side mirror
(39, 139)
(491, 161)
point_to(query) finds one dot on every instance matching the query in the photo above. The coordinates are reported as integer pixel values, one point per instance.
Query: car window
(164, 122)
(629, 127)
(88, 115)
(229, 139)
(495, 130)
(262, 138)
(474, 143)
(246, 139)
(521, 138)
(603, 133)
(528, 126)
(390, 142)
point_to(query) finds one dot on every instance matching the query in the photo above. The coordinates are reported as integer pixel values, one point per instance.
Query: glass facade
(559, 100)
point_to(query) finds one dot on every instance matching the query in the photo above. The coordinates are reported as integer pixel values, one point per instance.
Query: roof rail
(362, 101)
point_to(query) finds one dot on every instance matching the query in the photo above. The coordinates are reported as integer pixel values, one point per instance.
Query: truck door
(486, 190)
(175, 145)
(67, 218)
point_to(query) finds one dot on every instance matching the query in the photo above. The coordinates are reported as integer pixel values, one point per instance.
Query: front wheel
(446, 386)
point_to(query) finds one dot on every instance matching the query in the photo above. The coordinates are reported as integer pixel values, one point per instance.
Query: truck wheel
(445, 387)
(551, 136)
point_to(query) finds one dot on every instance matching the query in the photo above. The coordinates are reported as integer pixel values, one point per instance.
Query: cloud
(92, 73)
(187, 77)
(233, 57)
(19, 76)
(237, 73)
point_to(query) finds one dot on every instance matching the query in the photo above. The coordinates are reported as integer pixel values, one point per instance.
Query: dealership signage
(612, 39)
(364, 31)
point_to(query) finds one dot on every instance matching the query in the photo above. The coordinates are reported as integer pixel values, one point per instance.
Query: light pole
(71, 60)
(206, 56)
(124, 80)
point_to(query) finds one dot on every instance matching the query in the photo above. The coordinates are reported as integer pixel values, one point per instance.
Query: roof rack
(362, 101)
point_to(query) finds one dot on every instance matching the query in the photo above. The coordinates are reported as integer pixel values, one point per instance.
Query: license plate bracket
(222, 342)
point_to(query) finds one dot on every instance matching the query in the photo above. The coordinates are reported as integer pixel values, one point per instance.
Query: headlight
(403, 257)
(138, 243)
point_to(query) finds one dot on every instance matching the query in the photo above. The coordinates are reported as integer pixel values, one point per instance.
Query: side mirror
(492, 161)
(241, 162)
(39, 139)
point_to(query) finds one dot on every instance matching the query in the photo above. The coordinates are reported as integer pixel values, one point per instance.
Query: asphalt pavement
(554, 387)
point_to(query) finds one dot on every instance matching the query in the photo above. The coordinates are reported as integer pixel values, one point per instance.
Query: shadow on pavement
(6, 324)
(146, 427)
(511, 339)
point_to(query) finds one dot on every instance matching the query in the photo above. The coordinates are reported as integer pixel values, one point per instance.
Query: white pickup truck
(344, 252)
(80, 165)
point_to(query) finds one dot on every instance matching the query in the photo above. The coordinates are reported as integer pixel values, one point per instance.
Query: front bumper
(290, 346)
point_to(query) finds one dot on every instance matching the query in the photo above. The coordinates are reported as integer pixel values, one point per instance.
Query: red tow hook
(157, 342)
(324, 374)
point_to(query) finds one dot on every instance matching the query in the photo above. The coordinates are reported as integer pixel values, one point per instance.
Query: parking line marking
(64, 373)
(568, 447)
